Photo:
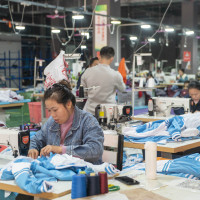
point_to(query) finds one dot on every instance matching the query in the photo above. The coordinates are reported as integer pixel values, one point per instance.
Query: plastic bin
(35, 112)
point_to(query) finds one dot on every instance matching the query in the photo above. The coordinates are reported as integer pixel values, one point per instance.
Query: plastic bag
(56, 71)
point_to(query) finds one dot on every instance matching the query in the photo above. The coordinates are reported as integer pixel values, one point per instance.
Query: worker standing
(103, 80)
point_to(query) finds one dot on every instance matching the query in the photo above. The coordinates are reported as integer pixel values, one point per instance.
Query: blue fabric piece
(149, 126)
(32, 173)
(174, 126)
(7, 175)
(20, 101)
(131, 160)
(12, 196)
(146, 139)
(187, 165)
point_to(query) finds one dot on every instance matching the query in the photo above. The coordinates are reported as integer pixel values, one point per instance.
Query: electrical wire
(113, 29)
(70, 37)
(11, 16)
(161, 21)
(65, 24)
(87, 28)
(23, 14)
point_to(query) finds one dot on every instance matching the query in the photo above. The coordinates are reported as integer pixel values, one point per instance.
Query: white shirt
(160, 76)
(109, 81)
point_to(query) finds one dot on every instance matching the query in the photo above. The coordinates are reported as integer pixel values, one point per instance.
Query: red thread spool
(103, 182)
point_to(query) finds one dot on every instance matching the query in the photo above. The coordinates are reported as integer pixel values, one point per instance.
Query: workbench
(163, 187)
(5, 105)
(147, 118)
(171, 149)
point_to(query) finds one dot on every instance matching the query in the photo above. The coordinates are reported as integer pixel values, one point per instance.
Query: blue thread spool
(79, 186)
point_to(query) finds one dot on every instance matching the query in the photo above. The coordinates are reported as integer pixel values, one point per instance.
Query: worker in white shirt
(159, 75)
(104, 79)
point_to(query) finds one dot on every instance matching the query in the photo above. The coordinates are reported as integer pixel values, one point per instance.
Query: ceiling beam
(61, 8)
(146, 2)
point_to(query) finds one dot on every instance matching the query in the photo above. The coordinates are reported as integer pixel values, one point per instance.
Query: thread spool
(79, 186)
(81, 92)
(103, 182)
(82, 172)
(150, 159)
(93, 184)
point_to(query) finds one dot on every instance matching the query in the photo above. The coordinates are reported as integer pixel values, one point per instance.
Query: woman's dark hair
(150, 74)
(92, 60)
(194, 85)
(182, 70)
(60, 92)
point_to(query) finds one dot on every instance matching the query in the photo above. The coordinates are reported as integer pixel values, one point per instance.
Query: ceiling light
(145, 26)
(77, 16)
(133, 38)
(55, 31)
(83, 46)
(19, 27)
(115, 21)
(151, 40)
(169, 30)
(85, 34)
(189, 32)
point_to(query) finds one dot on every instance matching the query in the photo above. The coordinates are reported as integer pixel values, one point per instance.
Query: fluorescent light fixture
(85, 34)
(19, 27)
(115, 21)
(169, 30)
(55, 31)
(151, 40)
(145, 26)
(77, 16)
(133, 38)
(189, 32)
(83, 46)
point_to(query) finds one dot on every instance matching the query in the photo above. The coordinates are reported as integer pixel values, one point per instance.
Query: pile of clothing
(177, 128)
(9, 96)
(35, 176)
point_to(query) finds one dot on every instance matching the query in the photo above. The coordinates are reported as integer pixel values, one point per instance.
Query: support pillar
(105, 34)
(189, 43)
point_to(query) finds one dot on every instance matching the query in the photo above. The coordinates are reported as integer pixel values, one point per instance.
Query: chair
(113, 149)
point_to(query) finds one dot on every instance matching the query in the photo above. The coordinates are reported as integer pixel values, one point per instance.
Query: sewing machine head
(17, 139)
(162, 105)
(110, 114)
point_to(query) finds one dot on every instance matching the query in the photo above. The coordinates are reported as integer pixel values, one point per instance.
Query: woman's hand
(33, 153)
(50, 148)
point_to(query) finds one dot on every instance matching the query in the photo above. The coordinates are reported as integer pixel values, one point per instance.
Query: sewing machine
(17, 139)
(109, 115)
(162, 105)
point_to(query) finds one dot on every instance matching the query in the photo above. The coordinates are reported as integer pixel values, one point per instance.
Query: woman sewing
(194, 92)
(69, 130)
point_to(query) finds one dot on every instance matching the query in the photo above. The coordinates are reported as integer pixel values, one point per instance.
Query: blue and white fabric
(34, 176)
(186, 166)
(177, 128)
(4, 195)
(131, 157)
